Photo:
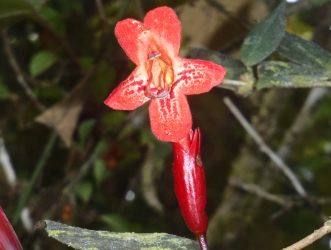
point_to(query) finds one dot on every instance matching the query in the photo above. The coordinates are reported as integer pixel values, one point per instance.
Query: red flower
(160, 74)
(8, 238)
(190, 185)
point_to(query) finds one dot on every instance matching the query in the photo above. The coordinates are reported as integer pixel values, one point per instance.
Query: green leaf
(304, 52)
(54, 18)
(10, 8)
(41, 62)
(79, 238)
(4, 91)
(99, 171)
(264, 38)
(290, 75)
(84, 190)
(117, 223)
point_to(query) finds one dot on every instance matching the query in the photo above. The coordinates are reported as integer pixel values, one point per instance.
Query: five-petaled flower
(161, 76)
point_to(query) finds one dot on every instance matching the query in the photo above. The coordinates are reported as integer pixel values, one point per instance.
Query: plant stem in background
(37, 171)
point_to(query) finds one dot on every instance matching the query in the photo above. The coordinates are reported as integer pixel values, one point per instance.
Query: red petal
(129, 94)
(164, 24)
(8, 238)
(197, 76)
(170, 117)
(130, 35)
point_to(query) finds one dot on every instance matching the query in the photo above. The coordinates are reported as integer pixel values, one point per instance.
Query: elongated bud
(8, 238)
(190, 185)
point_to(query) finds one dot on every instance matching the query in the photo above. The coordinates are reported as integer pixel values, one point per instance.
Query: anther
(153, 55)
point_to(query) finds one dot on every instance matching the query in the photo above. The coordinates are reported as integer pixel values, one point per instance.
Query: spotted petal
(164, 24)
(129, 33)
(170, 117)
(197, 76)
(130, 94)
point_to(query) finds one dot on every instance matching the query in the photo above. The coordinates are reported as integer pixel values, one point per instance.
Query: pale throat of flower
(160, 74)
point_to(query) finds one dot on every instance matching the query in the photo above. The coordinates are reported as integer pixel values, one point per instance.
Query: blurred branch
(302, 120)
(140, 9)
(19, 72)
(101, 10)
(221, 8)
(266, 149)
(311, 238)
(7, 165)
(150, 169)
(64, 44)
(36, 173)
(83, 169)
(259, 191)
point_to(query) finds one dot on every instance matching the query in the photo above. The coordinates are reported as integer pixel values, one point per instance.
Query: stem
(311, 238)
(38, 169)
(202, 242)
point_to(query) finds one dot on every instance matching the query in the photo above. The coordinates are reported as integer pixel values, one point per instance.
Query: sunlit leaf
(42, 61)
(265, 37)
(290, 75)
(79, 238)
(304, 52)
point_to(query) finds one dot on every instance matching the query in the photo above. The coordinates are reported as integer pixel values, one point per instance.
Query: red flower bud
(190, 185)
(8, 238)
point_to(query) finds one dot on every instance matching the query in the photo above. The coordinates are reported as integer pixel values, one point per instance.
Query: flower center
(160, 75)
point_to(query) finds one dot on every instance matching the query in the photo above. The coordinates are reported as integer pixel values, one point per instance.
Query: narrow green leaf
(290, 75)
(10, 8)
(265, 37)
(41, 62)
(79, 238)
(304, 52)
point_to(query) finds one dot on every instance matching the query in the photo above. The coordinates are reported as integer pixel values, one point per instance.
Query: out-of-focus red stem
(8, 238)
(190, 185)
